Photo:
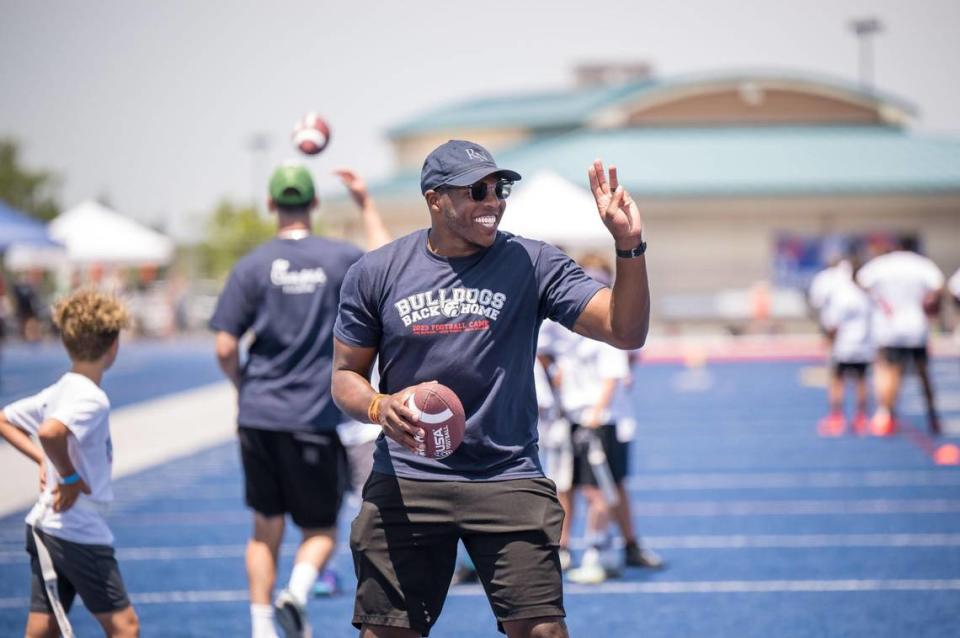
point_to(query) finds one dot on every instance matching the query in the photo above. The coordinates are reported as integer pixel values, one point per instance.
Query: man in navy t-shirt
(286, 292)
(461, 303)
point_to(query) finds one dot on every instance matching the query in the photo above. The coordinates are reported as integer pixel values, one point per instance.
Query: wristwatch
(633, 252)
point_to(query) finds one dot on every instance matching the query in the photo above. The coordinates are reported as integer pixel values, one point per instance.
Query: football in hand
(439, 413)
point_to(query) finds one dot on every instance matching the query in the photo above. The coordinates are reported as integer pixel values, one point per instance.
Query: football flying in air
(311, 134)
(439, 412)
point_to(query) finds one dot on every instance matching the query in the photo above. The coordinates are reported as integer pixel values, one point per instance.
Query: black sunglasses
(478, 190)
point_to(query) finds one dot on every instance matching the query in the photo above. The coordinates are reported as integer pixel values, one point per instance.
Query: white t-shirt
(584, 365)
(82, 406)
(541, 383)
(849, 312)
(897, 283)
(954, 284)
(824, 282)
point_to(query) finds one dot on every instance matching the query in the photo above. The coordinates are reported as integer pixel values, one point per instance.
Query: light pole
(258, 144)
(864, 29)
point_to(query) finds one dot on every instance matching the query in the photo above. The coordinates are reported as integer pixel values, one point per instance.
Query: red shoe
(860, 424)
(832, 425)
(883, 424)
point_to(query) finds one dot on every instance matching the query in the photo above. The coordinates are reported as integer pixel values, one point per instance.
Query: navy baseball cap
(459, 163)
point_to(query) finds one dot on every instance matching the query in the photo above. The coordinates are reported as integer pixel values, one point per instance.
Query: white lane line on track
(764, 586)
(609, 587)
(815, 541)
(791, 480)
(793, 507)
(692, 542)
(798, 507)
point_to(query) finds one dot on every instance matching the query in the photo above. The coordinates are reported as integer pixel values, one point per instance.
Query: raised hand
(354, 183)
(618, 212)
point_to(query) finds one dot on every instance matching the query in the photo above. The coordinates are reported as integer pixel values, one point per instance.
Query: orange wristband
(373, 411)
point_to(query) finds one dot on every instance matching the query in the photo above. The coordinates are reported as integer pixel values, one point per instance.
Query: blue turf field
(768, 530)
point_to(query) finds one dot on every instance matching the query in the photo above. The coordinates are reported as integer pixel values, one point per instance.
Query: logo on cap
(474, 154)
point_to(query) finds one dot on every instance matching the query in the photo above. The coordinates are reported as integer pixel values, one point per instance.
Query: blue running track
(768, 530)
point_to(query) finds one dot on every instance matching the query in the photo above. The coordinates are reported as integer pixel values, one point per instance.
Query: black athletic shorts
(615, 450)
(88, 570)
(299, 473)
(404, 543)
(901, 356)
(856, 369)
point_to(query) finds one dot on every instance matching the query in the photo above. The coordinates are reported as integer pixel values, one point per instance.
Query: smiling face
(461, 226)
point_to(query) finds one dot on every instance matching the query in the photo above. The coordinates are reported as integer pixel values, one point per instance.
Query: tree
(232, 232)
(31, 192)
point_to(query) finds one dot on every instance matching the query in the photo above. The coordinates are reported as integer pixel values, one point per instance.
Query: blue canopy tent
(17, 228)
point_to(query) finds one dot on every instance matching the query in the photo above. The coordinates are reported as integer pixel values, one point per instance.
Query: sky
(151, 105)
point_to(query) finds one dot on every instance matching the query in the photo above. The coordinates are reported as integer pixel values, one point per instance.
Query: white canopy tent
(551, 209)
(93, 233)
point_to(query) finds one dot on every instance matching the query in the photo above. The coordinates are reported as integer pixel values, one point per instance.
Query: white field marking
(798, 507)
(814, 376)
(801, 541)
(791, 480)
(124, 554)
(950, 427)
(744, 587)
(945, 401)
(609, 587)
(693, 542)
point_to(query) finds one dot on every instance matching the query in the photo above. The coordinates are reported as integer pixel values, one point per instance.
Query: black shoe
(636, 556)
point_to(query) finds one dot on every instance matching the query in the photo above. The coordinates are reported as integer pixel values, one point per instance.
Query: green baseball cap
(291, 185)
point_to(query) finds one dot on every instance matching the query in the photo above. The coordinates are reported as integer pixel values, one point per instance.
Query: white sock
(261, 620)
(600, 540)
(301, 580)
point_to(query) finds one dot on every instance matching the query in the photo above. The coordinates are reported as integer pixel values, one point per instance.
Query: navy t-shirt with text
(470, 323)
(286, 293)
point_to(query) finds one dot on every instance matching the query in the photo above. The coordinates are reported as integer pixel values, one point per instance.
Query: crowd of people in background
(157, 300)
(876, 311)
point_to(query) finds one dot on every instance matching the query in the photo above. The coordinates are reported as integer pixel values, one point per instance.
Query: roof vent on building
(611, 73)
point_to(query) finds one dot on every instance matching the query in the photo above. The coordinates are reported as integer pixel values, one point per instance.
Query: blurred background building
(748, 181)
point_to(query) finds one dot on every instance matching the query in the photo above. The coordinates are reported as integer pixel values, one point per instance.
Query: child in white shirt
(69, 542)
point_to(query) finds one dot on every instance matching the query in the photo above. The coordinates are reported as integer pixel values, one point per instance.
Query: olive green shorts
(404, 543)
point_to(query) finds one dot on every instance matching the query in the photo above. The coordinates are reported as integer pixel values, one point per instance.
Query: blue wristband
(70, 480)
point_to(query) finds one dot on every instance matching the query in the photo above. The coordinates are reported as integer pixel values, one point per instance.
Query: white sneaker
(565, 560)
(591, 571)
(291, 615)
(587, 575)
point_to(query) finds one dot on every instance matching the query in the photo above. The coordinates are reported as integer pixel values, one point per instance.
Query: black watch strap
(633, 252)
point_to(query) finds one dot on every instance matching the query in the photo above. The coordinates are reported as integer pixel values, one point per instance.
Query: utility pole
(258, 144)
(865, 29)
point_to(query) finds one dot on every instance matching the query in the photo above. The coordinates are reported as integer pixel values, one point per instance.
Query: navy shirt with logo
(470, 323)
(286, 293)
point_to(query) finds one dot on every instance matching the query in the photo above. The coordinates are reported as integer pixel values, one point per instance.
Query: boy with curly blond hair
(68, 540)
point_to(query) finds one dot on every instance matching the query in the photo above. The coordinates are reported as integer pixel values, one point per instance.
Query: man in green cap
(286, 292)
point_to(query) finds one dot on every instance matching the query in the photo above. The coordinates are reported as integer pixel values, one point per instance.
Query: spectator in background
(592, 375)
(27, 306)
(905, 287)
(954, 287)
(824, 282)
(286, 293)
(846, 320)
